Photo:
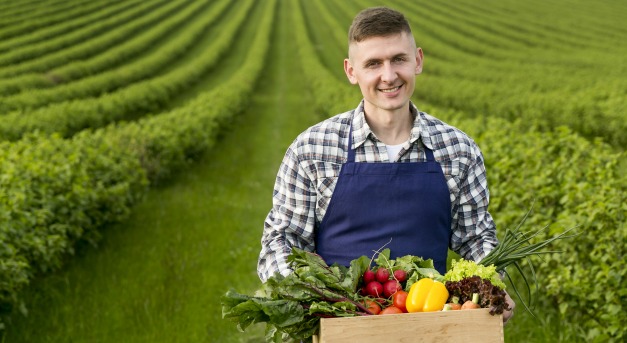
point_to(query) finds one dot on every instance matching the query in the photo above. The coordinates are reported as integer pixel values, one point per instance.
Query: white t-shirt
(393, 151)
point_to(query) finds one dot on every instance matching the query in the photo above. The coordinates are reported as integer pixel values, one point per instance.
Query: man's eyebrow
(371, 60)
(402, 54)
(376, 60)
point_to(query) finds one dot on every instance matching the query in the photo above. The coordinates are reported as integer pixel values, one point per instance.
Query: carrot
(472, 304)
(454, 304)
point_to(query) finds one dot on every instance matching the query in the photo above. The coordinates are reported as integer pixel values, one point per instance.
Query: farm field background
(140, 140)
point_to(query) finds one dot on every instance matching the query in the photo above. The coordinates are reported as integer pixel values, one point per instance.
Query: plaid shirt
(311, 166)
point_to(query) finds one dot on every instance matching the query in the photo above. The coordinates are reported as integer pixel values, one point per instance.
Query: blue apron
(403, 206)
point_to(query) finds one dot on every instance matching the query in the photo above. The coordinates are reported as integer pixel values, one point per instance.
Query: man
(384, 174)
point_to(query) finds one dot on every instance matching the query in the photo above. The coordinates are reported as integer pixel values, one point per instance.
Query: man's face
(385, 69)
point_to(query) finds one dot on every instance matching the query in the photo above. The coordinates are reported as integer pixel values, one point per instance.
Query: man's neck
(391, 127)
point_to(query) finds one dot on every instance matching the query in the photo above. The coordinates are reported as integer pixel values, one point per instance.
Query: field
(140, 140)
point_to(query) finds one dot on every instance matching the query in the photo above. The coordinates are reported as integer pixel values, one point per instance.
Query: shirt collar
(362, 131)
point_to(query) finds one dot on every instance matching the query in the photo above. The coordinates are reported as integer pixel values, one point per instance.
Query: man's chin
(393, 105)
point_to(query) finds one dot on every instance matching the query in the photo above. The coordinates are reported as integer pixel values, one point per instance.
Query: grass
(159, 276)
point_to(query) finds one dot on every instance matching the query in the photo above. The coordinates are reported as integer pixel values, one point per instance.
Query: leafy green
(291, 306)
(250, 310)
(462, 269)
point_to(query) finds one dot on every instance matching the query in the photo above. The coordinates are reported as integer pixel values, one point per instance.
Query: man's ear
(419, 60)
(350, 71)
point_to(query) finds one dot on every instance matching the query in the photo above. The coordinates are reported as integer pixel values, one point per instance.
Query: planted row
(65, 26)
(138, 69)
(131, 48)
(131, 102)
(29, 17)
(329, 94)
(56, 191)
(70, 44)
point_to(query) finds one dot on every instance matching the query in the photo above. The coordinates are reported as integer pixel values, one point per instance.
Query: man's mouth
(390, 90)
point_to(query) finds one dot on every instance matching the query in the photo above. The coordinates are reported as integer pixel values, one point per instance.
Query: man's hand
(508, 314)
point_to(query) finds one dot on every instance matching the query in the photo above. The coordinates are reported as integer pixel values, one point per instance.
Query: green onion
(515, 248)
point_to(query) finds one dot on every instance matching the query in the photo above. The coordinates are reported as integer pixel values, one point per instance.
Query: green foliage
(44, 72)
(57, 191)
(330, 95)
(72, 40)
(574, 182)
(149, 95)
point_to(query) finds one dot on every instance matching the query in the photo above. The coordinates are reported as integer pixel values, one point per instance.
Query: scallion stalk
(514, 248)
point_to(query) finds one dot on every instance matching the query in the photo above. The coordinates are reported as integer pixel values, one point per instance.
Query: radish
(400, 275)
(390, 287)
(368, 276)
(374, 289)
(382, 274)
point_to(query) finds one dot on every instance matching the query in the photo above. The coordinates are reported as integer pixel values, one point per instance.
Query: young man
(383, 174)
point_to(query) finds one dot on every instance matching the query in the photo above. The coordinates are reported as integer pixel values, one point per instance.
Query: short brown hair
(377, 22)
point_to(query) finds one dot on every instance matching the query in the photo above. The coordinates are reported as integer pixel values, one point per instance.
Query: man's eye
(372, 64)
(400, 59)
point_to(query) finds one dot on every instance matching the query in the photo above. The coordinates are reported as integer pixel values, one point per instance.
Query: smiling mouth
(390, 90)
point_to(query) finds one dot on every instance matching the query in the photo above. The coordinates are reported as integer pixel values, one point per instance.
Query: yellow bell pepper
(426, 295)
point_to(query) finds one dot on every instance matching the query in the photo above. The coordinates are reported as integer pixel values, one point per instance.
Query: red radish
(400, 275)
(368, 276)
(390, 287)
(374, 289)
(382, 275)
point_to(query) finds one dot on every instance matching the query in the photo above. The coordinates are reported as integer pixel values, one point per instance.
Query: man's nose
(388, 73)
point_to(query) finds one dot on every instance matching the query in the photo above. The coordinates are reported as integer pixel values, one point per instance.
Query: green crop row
(571, 182)
(56, 191)
(125, 75)
(464, 34)
(328, 96)
(531, 30)
(110, 58)
(20, 21)
(10, 9)
(70, 41)
(65, 26)
(130, 102)
(593, 112)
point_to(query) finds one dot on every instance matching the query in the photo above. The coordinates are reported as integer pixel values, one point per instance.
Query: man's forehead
(383, 46)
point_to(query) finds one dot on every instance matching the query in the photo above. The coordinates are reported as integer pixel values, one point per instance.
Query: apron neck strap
(351, 151)
(429, 154)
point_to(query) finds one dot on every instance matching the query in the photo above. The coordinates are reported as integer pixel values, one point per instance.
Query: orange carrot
(472, 304)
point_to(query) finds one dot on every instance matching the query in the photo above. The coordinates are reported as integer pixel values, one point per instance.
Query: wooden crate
(442, 327)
